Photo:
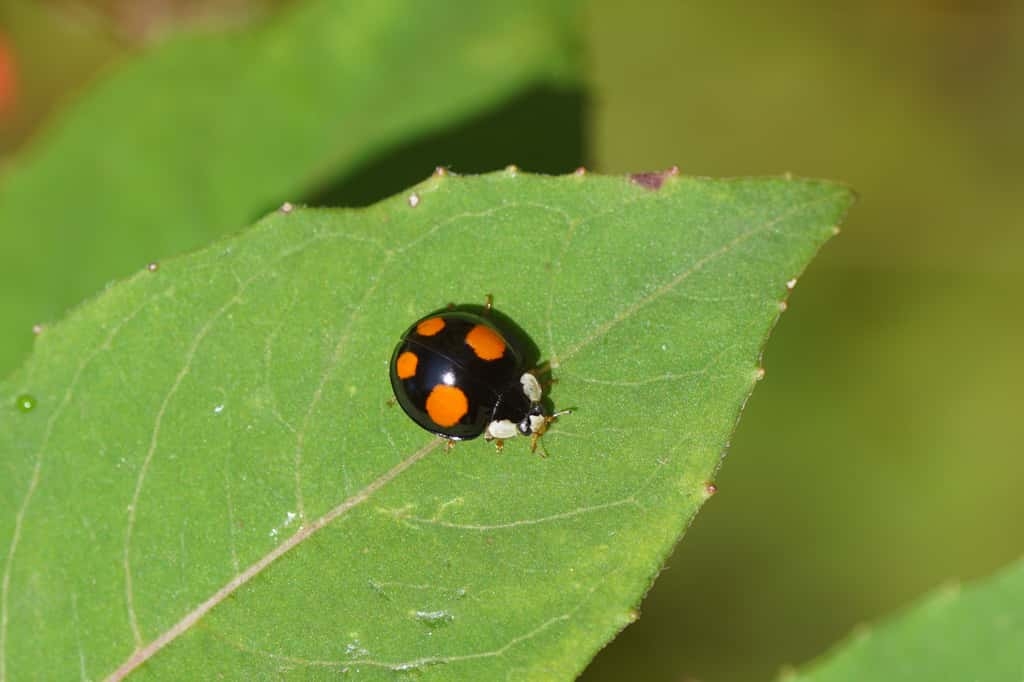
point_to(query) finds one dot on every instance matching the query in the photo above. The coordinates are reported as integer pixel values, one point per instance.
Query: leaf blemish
(433, 619)
(288, 520)
(354, 649)
(26, 402)
(654, 180)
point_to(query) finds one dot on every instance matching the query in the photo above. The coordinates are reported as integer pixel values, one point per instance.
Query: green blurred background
(882, 456)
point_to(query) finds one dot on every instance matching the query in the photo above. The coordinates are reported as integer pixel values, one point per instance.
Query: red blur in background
(8, 78)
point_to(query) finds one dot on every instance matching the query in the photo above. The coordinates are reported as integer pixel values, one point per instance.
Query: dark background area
(882, 457)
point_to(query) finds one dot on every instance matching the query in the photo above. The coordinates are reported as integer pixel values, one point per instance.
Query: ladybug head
(533, 421)
(536, 422)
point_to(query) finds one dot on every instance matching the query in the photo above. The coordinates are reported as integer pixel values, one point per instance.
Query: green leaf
(207, 132)
(211, 472)
(976, 634)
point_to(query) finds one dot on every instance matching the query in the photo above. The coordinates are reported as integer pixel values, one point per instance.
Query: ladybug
(461, 372)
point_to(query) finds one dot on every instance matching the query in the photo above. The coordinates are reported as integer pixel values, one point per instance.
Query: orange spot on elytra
(430, 326)
(446, 405)
(485, 343)
(406, 365)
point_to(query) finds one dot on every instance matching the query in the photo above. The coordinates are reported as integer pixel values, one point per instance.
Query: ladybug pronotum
(460, 374)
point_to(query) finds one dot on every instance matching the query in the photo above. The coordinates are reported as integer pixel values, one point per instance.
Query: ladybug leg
(499, 443)
(548, 384)
(535, 441)
(488, 304)
(535, 438)
(544, 370)
(448, 444)
(390, 402)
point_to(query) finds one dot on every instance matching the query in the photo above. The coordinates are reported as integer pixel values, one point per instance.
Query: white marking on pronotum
(143, 654)
(531, 387)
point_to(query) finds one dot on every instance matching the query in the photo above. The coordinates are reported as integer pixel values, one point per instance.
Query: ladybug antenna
(535, 439)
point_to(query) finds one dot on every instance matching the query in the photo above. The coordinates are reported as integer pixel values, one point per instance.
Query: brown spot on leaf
(654, 180)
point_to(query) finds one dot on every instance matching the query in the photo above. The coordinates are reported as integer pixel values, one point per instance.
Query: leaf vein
(628, 501)
(669, 286)
(339, 351)
(19, 518)
(140, 656)
(413, 664)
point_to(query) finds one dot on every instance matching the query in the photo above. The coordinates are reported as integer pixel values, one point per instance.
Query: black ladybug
(461, 373)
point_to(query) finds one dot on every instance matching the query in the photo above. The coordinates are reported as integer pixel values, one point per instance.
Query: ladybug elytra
(460, 374)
